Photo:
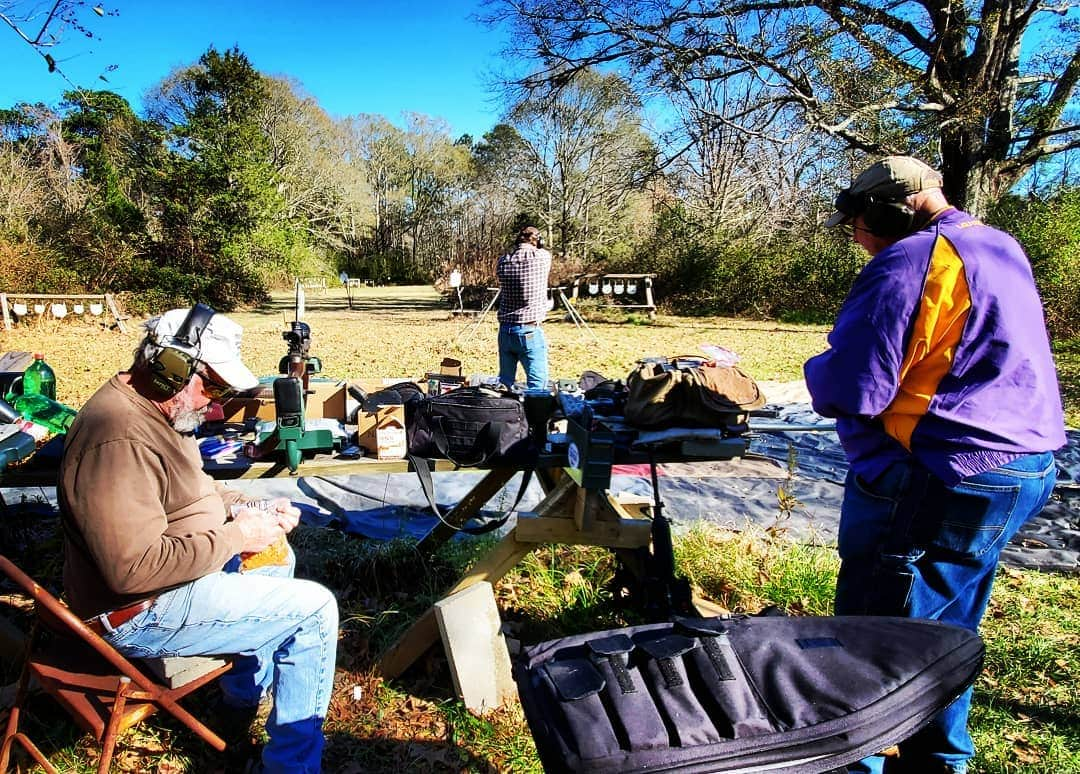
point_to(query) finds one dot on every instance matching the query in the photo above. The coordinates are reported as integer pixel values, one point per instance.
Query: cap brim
(836, 219)
(236, 375)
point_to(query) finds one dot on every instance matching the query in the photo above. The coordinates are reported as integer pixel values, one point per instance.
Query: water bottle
(39, 378)
(44, 411)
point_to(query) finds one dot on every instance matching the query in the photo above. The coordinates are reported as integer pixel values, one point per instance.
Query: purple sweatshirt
(940, 351)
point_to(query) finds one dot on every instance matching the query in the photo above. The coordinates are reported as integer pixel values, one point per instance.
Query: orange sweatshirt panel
(938, 326)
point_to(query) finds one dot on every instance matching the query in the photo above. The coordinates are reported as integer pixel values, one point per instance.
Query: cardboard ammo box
(381, 431)
(326, 399)
(448, 377)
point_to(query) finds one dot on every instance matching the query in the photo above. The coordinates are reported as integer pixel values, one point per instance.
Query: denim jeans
(912, 546)
(283, 631)
(525, 344)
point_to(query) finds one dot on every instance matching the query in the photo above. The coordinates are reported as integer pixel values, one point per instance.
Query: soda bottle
(39, 378)
(44, 411)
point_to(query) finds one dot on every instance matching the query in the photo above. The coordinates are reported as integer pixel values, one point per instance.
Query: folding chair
(101, 689)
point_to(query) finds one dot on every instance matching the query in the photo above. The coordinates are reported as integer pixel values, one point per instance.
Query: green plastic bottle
(39, 378)
(44, 411)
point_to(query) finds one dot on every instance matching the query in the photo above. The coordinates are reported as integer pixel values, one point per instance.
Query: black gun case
(777, 694)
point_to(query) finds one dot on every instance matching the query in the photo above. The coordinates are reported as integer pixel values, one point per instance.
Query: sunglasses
(849, 229)
(215, 389)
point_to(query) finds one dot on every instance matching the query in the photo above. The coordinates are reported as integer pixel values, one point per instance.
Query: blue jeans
(912, 546)
(283, 631)
(525, 344)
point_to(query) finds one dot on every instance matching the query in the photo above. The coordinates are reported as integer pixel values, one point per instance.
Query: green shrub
(1049, 229)
(799, 274)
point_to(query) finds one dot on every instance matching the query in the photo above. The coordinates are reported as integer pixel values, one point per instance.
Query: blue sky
(353, 56)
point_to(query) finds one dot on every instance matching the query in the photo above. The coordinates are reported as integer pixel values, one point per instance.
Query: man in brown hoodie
(148, 533)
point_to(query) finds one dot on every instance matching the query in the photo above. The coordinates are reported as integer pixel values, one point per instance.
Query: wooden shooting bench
(578, 509)
(15, 304)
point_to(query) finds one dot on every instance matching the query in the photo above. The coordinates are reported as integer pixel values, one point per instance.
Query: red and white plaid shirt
(523, 284)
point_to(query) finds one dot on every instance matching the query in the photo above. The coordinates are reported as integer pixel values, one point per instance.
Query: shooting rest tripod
(556, 292)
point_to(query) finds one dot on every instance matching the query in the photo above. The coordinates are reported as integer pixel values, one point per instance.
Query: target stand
(616, 287)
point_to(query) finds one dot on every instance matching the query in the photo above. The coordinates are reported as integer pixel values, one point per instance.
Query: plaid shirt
(523, 284)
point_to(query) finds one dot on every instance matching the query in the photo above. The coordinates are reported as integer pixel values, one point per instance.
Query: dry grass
(411, 724)
(405, 332)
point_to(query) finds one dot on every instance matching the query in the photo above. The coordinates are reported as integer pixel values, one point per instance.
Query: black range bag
(773, 694)
(471, 426)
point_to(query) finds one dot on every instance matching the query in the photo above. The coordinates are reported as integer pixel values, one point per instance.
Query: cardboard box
(381, 431)
(439, 384)
(450, 367)
(326, 399)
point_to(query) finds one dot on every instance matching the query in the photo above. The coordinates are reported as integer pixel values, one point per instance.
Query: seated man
(148, 533)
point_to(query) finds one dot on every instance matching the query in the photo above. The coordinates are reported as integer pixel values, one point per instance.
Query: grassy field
(1027, 708)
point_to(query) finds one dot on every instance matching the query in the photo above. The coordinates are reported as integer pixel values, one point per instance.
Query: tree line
(701, 142)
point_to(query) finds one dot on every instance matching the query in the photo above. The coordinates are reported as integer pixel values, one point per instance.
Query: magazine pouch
(781, 694)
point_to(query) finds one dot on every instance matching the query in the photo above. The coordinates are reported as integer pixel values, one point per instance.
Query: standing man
(946, 400)
(147, 534)
(523, 305)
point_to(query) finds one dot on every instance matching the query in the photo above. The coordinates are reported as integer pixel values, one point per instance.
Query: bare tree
(988, 88)
(588, 152)
(323, 189)
(43, 25)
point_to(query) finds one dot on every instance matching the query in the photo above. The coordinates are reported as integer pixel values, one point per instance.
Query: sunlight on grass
(1026, 716)
(748, 570)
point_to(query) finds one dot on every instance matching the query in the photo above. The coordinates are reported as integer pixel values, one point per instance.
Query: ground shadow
(353, 753)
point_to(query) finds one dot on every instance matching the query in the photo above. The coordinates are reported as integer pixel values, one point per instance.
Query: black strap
(423, 472)
(672, 678)
(622, 674)
(716, 656)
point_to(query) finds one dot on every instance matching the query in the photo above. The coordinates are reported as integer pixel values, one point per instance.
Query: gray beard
(188, 420)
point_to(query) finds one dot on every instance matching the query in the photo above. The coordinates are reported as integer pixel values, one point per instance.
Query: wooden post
(115, 312)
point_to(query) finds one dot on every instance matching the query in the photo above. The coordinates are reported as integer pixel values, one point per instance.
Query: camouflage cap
(891, 179)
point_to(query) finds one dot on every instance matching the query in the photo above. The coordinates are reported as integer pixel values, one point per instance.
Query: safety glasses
(849, 229)
(214, 388)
